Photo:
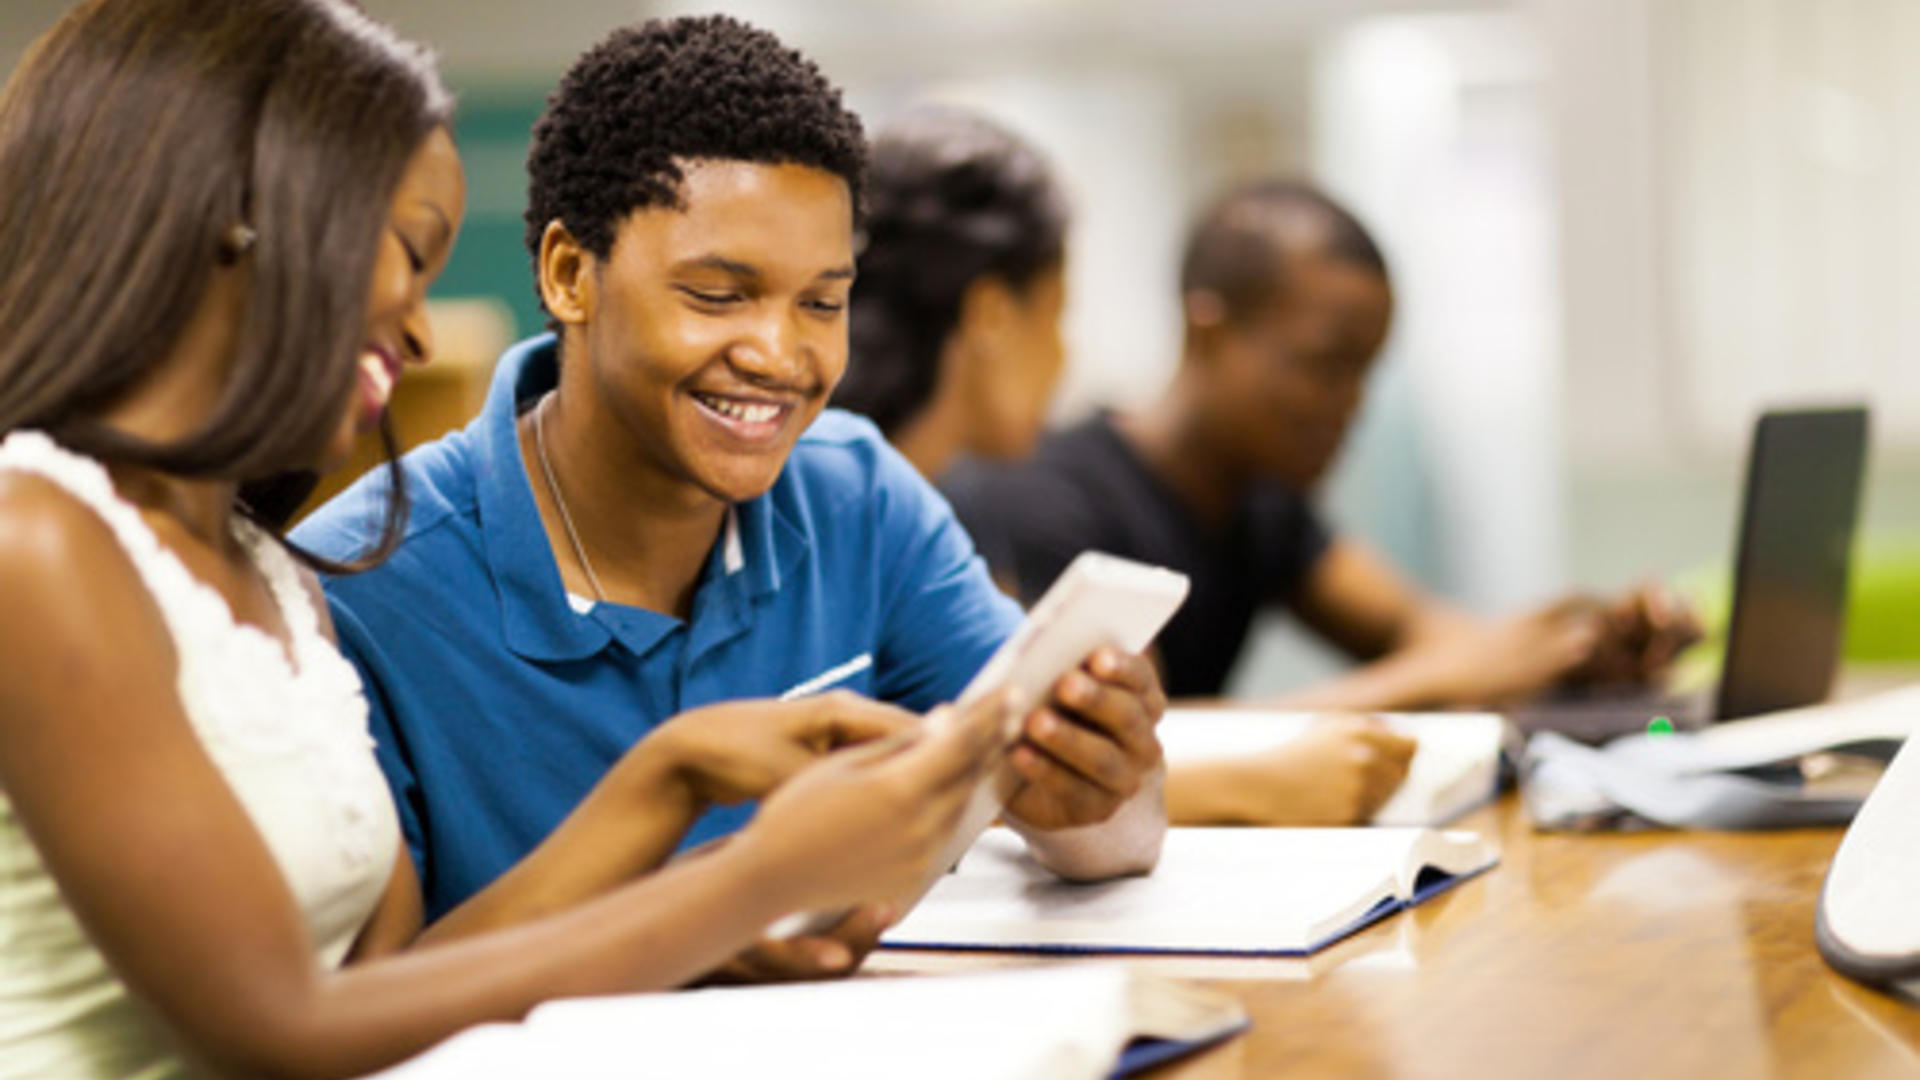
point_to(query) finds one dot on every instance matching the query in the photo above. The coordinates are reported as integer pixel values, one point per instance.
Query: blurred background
(1618, 229)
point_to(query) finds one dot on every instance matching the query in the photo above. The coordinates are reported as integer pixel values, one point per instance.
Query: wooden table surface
(1611, 956)
(1605, 956)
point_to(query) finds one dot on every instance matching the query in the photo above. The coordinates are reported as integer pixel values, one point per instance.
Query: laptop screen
(1790, 575)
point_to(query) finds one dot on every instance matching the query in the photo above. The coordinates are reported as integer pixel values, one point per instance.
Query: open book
(1072, 1021)
(1252, 891)
(1456, 768)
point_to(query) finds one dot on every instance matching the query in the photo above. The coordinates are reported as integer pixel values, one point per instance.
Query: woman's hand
(1339, 773)
(741, 750)
(867, 824)
(827, 954)
(632, 819)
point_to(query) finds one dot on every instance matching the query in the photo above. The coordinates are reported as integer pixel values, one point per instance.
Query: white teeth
(745, 412)
(375, 369)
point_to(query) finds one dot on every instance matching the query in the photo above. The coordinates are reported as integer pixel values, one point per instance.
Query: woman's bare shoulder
(61, 564)
(44, 529)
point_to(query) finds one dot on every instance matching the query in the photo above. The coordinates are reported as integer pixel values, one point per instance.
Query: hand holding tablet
(1099, 601)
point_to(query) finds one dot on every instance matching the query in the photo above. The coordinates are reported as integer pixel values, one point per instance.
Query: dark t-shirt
(1086, 488)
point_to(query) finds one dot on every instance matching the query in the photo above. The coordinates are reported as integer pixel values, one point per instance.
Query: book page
(1450, 851)
(1067, 1021)
(1215, 890)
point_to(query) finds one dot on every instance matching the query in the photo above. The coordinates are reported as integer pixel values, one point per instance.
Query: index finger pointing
(961, 739)
(842, 718)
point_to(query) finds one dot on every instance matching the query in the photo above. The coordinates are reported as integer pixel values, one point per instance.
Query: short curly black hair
(673, 90)
(1236, 249)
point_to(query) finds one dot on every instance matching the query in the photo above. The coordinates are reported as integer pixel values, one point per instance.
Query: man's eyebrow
(722, 264)
(749, 272)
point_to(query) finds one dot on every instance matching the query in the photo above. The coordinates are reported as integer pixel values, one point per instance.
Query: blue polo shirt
(497, 705)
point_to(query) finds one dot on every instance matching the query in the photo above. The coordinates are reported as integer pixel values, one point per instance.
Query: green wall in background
(492, 126)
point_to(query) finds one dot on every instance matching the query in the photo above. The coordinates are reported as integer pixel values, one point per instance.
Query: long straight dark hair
(144, 142)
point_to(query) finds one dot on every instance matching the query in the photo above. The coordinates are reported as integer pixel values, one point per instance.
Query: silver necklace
(559, 500)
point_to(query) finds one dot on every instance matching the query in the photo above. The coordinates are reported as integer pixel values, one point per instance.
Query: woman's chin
(338, 451)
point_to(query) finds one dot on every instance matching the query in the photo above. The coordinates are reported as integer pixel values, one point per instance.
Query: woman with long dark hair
(218, 222)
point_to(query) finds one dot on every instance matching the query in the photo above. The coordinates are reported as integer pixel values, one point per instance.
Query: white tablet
(1099, 600)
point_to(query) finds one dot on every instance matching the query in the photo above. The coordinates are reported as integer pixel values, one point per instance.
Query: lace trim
(239, 687)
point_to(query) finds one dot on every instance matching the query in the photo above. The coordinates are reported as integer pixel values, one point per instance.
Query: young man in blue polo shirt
(653, 513)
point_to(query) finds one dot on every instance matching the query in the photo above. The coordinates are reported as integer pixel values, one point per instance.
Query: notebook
(1455, 768)
(1069, 1021)
(1279, 892)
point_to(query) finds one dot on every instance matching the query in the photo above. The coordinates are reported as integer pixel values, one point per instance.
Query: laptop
(1797, 520)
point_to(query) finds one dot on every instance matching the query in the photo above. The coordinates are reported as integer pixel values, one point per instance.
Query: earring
(237, 241)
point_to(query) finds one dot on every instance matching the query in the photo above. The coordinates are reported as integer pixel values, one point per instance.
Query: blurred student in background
(1287, 303)
(219, 223)
(955, 334)
(956, 350)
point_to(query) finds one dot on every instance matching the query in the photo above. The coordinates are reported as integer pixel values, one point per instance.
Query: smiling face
(714, 332)
(1284, 383)
(414, 245)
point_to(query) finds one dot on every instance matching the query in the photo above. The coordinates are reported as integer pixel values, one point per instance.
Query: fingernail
(834, 955)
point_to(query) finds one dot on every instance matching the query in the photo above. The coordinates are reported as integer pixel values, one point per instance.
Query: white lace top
(291, 741)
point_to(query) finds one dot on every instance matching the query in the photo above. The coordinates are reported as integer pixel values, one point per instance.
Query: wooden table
(1606, 956)
(1610, 956)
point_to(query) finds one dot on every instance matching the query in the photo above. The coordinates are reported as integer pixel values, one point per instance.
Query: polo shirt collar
(761, 545)
(758, 546)
(535, 619)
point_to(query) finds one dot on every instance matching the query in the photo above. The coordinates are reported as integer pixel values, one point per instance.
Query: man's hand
(1640, 635)
(1089, 748)
(1492, 664)
(827, 955)
(740, 750)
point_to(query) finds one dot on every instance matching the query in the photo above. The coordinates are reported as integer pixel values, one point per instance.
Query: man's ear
(1205, 313)
(566, 276)
(987, 305)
